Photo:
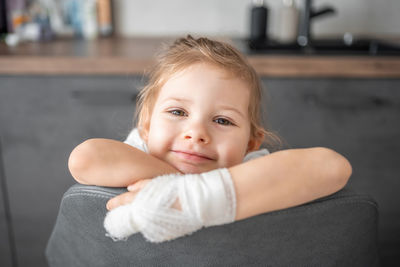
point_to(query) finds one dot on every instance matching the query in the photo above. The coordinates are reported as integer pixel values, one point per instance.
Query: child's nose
(197, 139)
(197, 134)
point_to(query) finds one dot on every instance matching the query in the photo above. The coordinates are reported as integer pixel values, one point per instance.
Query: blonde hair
(188, 51)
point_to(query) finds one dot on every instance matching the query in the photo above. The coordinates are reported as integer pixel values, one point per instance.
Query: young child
(193, 160)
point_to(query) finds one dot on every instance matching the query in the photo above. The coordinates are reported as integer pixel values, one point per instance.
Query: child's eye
(223, 121)
(177, 112)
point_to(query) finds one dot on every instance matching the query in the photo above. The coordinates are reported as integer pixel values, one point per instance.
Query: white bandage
(206, 199)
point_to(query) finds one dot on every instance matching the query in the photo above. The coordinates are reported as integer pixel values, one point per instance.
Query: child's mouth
(191, 156)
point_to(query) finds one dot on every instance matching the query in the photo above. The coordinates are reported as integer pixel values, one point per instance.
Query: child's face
(200, 120)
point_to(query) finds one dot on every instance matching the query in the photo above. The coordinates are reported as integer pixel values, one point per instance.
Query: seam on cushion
(88, 194)
(94, 191)
(357, 197)
(93, 188)
(97, 190)
(319, 206)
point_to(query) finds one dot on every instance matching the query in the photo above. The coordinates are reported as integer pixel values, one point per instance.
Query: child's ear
(255, 142)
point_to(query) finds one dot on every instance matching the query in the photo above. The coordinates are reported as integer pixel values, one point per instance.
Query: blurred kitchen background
(71, 70)
(231, 18)
(130, 18)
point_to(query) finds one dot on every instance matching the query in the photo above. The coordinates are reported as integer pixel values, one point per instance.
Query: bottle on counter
(288, 22)
(89, 19)
(104, 17)
(258, 21)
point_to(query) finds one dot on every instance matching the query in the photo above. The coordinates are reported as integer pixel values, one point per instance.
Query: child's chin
(193, 169)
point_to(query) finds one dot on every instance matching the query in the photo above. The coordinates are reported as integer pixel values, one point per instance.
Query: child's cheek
(160, 138)
(231, 155)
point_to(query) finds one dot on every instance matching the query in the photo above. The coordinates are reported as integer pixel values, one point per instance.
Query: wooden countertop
(117, 56)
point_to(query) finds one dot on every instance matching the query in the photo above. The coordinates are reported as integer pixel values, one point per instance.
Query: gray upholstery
(338, 230)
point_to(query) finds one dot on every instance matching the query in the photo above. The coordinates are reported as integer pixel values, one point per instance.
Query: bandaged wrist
(206, 199)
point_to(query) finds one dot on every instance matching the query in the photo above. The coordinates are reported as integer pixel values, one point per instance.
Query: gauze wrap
(206, 199)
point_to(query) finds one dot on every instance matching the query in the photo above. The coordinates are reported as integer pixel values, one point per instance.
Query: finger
(122, 199)
(138, 185)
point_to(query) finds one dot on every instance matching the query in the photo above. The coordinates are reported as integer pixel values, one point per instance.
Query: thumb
(119, 223)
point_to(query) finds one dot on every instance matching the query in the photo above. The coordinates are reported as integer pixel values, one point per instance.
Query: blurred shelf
(123, 56)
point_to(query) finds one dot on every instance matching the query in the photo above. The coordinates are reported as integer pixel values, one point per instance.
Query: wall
(230, 17)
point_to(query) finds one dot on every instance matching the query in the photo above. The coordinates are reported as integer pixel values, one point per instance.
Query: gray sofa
(338, 230)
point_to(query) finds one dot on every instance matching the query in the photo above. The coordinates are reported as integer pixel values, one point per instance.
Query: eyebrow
(178, 99)
(232, 109)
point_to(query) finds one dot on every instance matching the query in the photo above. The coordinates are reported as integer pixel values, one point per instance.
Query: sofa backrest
(338, 230)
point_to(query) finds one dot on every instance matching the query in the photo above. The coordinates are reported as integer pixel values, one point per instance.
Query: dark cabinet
(359, 118)
(42, 119)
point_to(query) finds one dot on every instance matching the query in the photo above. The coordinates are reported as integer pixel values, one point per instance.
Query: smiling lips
(192, 156)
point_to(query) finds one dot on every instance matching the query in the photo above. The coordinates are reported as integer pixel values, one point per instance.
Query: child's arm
(106, 162)
(280, 180)
(287, 178)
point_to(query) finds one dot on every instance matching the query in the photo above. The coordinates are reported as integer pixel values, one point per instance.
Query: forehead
(203, 80)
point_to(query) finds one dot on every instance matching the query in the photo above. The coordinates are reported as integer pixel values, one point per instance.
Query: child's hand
(127, 197)
(209, 200)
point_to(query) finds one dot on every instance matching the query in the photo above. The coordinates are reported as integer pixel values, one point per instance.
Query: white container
(288, 22)
(89, 19)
